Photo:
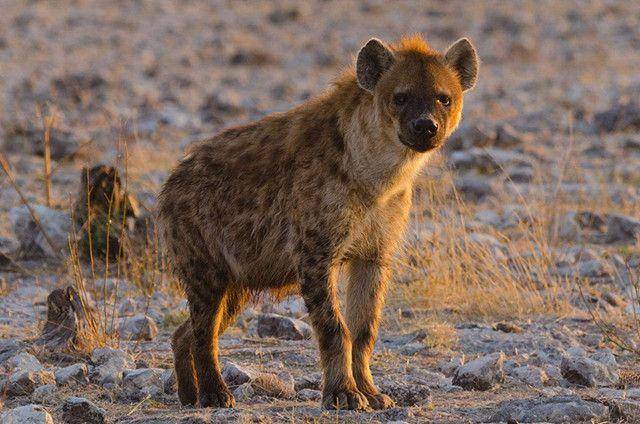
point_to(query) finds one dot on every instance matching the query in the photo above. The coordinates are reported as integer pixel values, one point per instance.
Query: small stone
(138, 327)
(143, 382)
(244, 392)
(480, 374)
(23, 361)
(278, 326)
(559, 409)
(169, 383)
(449, 367)
(23, 383)
(292, 306)
(42, 393)
(600, 370)
(57, 226)
(234, 375)
(473, 188)
(622, 228)
(78, 410)
(28, 414)
(307, 395)
(308, 381)
(76, 373)
(110, 365)
(531, 375)
(406, 393)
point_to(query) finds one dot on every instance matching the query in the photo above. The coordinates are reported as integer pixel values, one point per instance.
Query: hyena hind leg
(181, 343)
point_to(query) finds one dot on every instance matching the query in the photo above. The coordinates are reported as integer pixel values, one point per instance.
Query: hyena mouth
(420, 145)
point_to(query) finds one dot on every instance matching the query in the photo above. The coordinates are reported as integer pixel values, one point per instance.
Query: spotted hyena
(280, 204)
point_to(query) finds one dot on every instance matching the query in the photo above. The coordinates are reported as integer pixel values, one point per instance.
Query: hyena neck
(374, 157)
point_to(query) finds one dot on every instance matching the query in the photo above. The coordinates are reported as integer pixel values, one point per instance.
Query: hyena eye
(400, 99)
(444, 99)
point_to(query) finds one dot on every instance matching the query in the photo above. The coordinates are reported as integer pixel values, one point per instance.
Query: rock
(622, 228)
(480, 374)
(273, 325)
(309, 395)
(620, 117)
(508, 137)
(28, 139)
(8, 348)
(308, 381)
(28, 414)
(143, 382)
(282, 15)
(76, 373)
(42, 393)
(520, 174)
(234, 375)
(469, 136)
(23, 361)
(292, 306)
(406, 393)
(449, 367)
(393, 415)
(75, 87)
(489, 217)
(473, 188)
(219, 106)
(488, 160)
(244, 392)
(78, 410)
(530, 374)
(57, 226)
(558, 409)
(169, 383)
(600, 370)
(138, 327)
(23, 383)
(110, 365)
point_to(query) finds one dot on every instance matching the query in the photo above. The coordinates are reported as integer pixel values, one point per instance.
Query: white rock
(143, 382)
(28, 414)
(81, 410)
(482, 373)
(243, 392)
(23, 383)
(23, 361)
(56, 224)
(273, 325)
(42, 393)
(110, 365)
(76, 373)
(138, 327)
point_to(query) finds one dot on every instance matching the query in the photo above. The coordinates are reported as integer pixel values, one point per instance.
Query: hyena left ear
(463, 58)
(373, 60)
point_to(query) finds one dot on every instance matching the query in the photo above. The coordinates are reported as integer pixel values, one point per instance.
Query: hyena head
(417, 90)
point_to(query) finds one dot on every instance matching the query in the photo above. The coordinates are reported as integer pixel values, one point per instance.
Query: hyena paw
(221, 398)
(343, 398)
(380, 401)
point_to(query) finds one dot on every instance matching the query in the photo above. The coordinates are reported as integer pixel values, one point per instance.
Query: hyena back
(281, 203)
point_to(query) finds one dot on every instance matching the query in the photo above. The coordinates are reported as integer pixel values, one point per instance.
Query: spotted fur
(280, 204)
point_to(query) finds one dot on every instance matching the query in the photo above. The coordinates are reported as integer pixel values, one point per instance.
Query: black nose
(424, 126)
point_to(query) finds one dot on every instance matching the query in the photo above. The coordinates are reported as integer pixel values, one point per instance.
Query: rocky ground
(514, 300)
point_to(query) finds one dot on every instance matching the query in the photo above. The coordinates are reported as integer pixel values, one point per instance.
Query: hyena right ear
(373, 60)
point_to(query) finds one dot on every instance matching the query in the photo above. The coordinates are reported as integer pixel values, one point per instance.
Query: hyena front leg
(206, 305)
(365, 297)
(319, 293)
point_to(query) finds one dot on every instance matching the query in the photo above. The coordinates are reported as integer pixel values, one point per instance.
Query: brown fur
(281, 203)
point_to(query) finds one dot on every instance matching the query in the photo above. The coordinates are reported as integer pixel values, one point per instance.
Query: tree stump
(70, 323)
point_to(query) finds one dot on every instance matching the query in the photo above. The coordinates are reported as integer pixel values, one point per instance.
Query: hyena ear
(373, 60)
(463, 58)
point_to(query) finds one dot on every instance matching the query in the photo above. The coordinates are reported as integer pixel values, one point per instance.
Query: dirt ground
(515, 297)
